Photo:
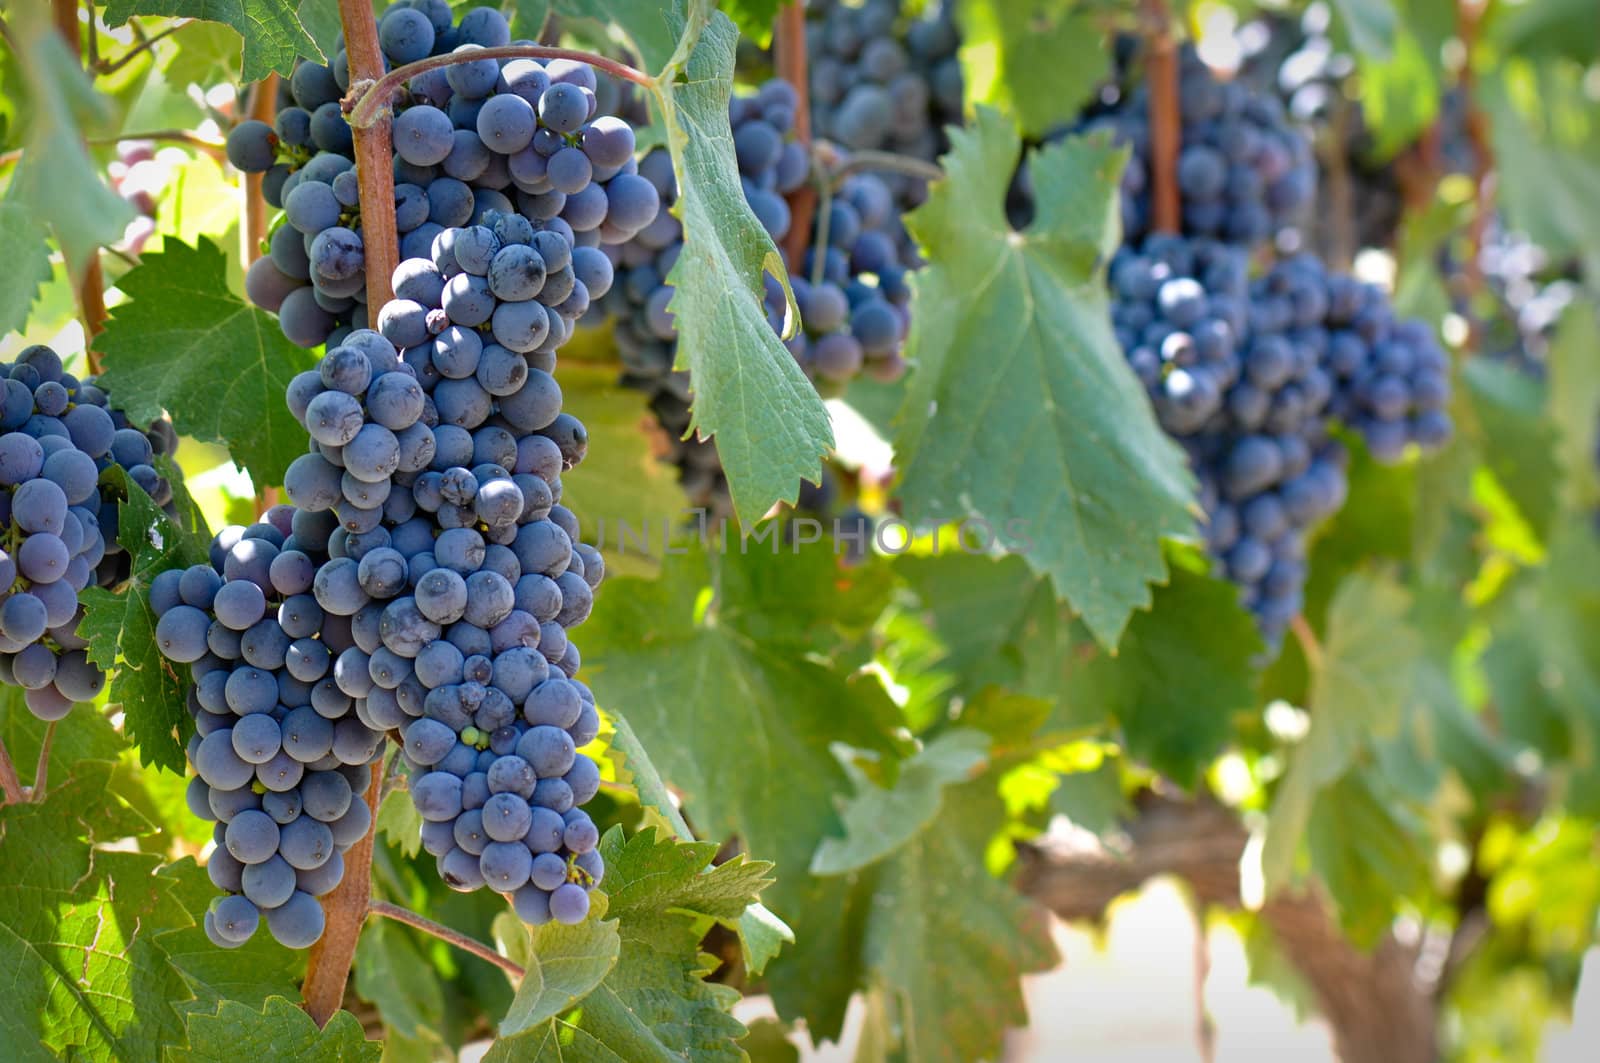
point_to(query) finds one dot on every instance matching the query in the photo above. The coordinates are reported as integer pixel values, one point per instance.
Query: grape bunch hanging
(471, 138)
(58, 435)
(1253, 374)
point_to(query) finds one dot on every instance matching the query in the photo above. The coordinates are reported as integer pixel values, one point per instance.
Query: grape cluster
(885, 83)
(57, 435)
(282, 752)
(1249, 376)
(853, 295)
(1244, 171)
(438, 445)
(469, 139)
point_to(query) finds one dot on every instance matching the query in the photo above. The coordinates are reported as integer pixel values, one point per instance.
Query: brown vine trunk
(1166, 125)
(1378, 1010)
(789, 46)
(328, 966)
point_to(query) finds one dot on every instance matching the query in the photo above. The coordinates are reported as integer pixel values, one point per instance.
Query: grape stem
(363, 109)
(1161, 73)
(214, 148)
(1309, 645)
(102, 67)
(447, 935)
(789, 48)
(10, 786)
(884, 162)
(260, 105)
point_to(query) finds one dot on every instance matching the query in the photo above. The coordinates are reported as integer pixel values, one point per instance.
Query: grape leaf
(755, 18)
(1520, 440)
(56, 182)
(1548, 171)
(401, 823)
(184, 342)
(1181, 673)
(620, 480)
(654, 1004)
(528, 18)
(1549, 28)
(203, 53)
(1040, 60)
(273, 36)
(1369, 25)
(1368, 848)
(85, 979)
(1360, 682)
(320, 18)
(563, 964)
(120, 627)
(729, 693)
(878, 820)
(1573, 404)
(280, 1030)
(1022, 411)
(761, 934)
(948, 959)
(770, 426)
(1544, 668)
(393, 975)
(23, 248)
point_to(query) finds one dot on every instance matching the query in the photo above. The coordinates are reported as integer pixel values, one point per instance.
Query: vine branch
(1161, 73)
(214, 148)
(1309, 645)
(364, 109)
(445, 934)
(789, 47)
(10, 785)
(102, 67)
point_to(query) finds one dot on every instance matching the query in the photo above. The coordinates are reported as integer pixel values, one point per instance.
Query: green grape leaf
(1548, 28)
(878, 820)
(563, 964)
(769, 424)
(85, 978)
(656, 29)
(1547, 163)
(1399, 92)
(1181, 674)
(203, 53)
(1368, 848)
(654, 1003)
(1542, 665)
(56, 183)
(184, 342)
(621, 486)
(1040, 60)
(723, 667)
(1360, 682)
(528, 18)
(401, 823)
(84, 736)
(320, 18)
(120, 627)
(761, 933)
(22, 245)
(393, 974)
(1022, 412)
(951, 971)
(273, 35)
(1519, 442)
(1369, 25)
(1573, 403)
(755, 18)
(280, 1030)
